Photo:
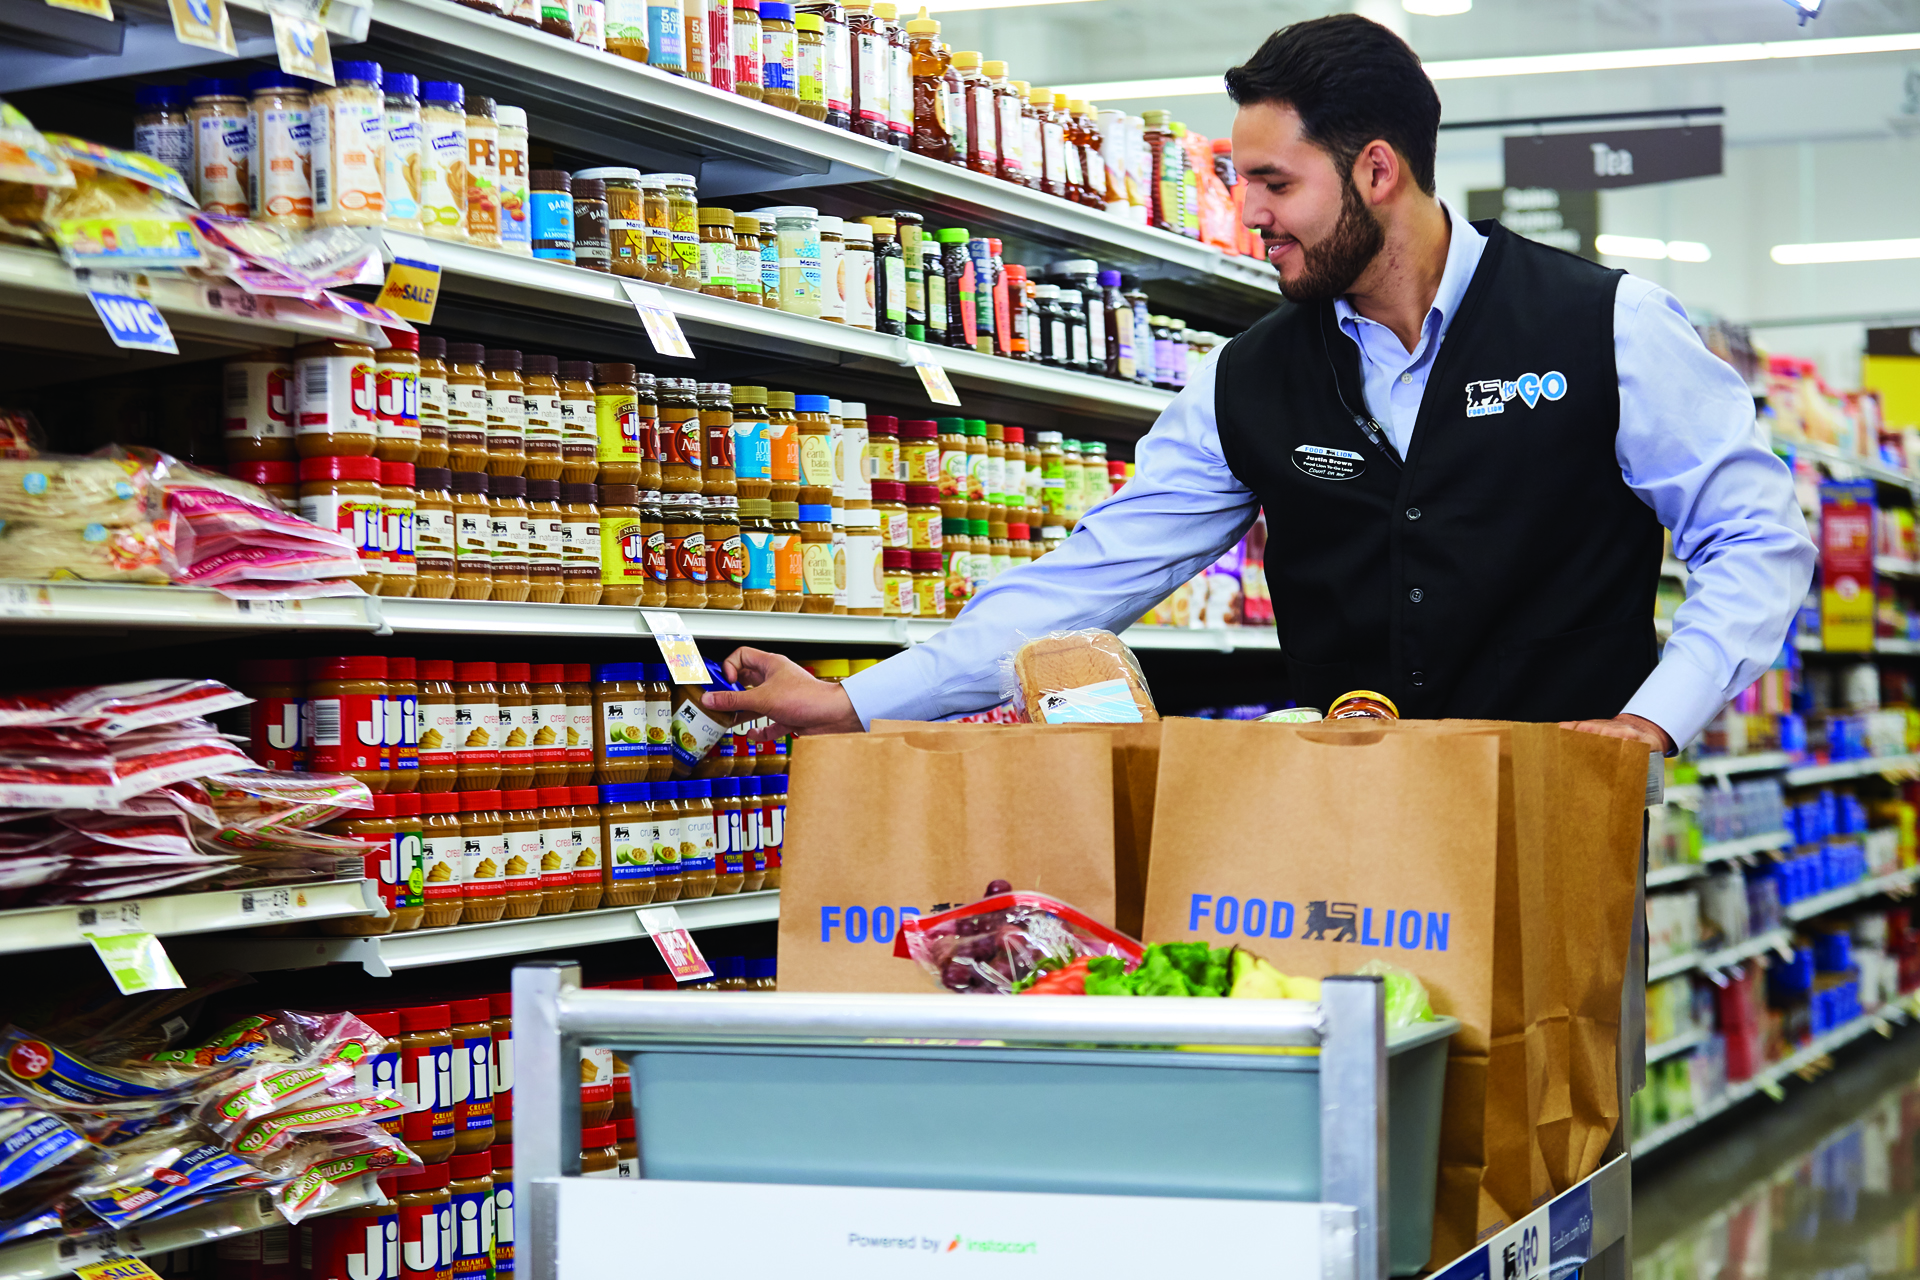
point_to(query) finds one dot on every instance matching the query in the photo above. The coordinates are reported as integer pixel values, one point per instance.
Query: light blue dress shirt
(1688, 445)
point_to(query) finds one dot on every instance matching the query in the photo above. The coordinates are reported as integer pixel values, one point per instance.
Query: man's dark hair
(1351, 80)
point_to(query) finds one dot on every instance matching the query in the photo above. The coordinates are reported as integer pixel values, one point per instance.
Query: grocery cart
(848, 1135)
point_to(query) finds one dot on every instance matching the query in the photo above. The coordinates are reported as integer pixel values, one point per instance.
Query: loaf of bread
(1061, 664)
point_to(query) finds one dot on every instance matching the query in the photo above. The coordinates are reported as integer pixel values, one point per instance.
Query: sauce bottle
(588, 886)
(933, 133)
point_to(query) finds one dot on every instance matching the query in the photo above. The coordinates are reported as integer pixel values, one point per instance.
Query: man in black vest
(1466, 444)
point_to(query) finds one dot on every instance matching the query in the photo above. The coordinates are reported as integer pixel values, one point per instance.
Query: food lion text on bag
(1320, 920)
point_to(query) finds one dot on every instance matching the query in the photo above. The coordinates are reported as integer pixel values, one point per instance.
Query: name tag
(1328, 464)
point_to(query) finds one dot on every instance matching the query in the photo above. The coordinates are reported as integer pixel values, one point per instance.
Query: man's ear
(1378, 172)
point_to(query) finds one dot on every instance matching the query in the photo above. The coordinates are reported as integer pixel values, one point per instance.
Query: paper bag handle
(1342, 737)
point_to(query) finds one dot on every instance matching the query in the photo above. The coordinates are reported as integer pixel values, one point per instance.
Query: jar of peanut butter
(545, 431)
(625, 818)
(472, 1034)
(484, 845)
(466, 407)
(730, 856)
(618, 427)
(516, 746)
(627, 1148)
(668, 880)
(335, 382)
(522, 827)
(345, 718)
(508, 514)
(598, 1156)
(408, 863)
(371, 825)
(402, 732)
(506, 414)
(279, 478)
(556, 850)
(698, 843)
(342, 495)
(477, 724)
(433, 403)
(596, 1086)
(503, 1234)
(545, 541)
(426, 1059)
(579, 441)
(580, 569)
(548, 725)
(433, 533)
(500, 1017)
(439, 745)
(442, 860)
(619, 724)
(589, 883)
(752, 837)
(580, 718)
(622, 545)
(773, 823)
(423, 1201)
(473, 536)
(470, 1195)
(659, 698)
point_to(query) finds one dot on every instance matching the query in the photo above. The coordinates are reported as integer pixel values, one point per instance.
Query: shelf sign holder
(131, 321)
(136, 962)
(677, 647)
(412, 289)
(933, 375)
(663, 327)
(676, 945)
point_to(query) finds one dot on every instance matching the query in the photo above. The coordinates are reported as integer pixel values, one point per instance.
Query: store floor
(1826, 1186)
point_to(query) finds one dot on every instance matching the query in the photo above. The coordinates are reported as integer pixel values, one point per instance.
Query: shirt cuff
(1679, 697)
(901, 688)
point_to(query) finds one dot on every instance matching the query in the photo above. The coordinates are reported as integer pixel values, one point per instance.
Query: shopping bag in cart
(1495, 861)
(887, 825)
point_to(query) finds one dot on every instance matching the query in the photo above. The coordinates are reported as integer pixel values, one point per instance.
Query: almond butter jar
(522, 828)
(506, 414)
(466, 407)
(473, 537)
(483, 834)
(439, 742)
(579, 445)
(545, 429)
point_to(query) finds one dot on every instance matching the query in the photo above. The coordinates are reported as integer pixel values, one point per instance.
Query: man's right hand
(778, 687)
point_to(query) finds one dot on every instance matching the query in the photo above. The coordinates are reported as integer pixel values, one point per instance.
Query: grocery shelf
(1810, 775)
(1872, 886)
(58, 1255)
(1678, 873)
(37, 928)
(1678, 1045)
(1671, 568)
(1722, 850)
(122, 604)
(1758, 762)
(1882, 644)
(383, 956)
(1770, 1080)
(1723, 958)
(1894, 567)
(1683, 793)
(1831, 456)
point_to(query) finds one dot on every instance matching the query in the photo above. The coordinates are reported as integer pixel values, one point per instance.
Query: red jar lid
(476, 671)
(425, 1017)
(401, 668)
(384, 1021)
(398, 474)
(549, 672)
(923, 495)
(579, 673)
(474, 1010)
(551, 797)
(355, 668)
(406, 804)
(918, 429)
(440, 802)
(479, 801)
(528, 799)
(279, 471)
(473, 1164)
(423, 1177)
(926, 560)
(601, 1135)
(586, 795)
(502, 1153)
(500, 1003)
(436, 669)
(340, 469)
(515, 671)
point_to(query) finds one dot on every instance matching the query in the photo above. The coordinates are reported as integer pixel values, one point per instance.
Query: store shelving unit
(41, 928)
(390, 953)
(1721, 958)
(1722, 851)
(1893, 882)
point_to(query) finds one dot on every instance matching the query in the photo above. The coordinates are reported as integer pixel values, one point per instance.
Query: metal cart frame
(591, 1223)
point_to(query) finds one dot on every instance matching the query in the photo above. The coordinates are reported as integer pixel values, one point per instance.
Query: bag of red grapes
(1006, 941)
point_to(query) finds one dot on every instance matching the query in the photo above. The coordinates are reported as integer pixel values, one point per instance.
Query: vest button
(1416, 595)
(1413, 513)
(1417, 678)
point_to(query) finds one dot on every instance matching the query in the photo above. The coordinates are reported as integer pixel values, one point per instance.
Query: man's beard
(1330, 267)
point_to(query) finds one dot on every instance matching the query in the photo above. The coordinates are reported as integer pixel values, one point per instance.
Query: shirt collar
(1464, 249)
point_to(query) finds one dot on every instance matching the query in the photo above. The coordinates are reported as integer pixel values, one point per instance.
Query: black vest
(1505, 571)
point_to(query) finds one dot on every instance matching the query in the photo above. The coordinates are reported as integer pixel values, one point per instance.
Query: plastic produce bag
(1407, 1001)
(1077, 677)
(1005, 940)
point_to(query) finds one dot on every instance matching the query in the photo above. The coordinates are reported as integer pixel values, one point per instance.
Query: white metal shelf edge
(39, 928)
(1808, 908)
(1674, 966)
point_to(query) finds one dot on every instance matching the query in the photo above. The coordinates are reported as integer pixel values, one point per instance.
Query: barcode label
(236, 384)
(322, 186)
(275, 1246)
(313, 381)
(326, 722)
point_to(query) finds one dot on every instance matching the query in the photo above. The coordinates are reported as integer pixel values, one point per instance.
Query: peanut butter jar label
(346, 734)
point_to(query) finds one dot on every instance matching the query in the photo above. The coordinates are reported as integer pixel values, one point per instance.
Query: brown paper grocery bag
(1461, 851)
(885, 825)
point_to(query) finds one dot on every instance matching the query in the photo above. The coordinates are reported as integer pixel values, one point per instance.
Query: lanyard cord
(1364, 421)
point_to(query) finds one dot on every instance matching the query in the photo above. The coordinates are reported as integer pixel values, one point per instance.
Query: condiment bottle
(443, 160)
(279, 189)
(516, 748)
(438, 746)
(557, 851)
(343, 495)
(1007, 123)
(541, 415)
(426, 1073)
(618, 425)
(546, 535)
(430, 402)
(622, 545)
(483, 172)
(442, 860)
(726, 568)
(472, 1032)
(467, 406)
(626, 817)
(483, 836)
(473, 537)
(589, 886)
(522, 869)
(580, 544)
(500, 1022)
(579, 442)
(1022, 320)
(591, 248)
(477, 725)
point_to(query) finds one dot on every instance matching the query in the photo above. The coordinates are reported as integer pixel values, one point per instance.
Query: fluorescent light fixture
(1552, 63)
(1648, 247)
(1436, 8)
(1793, 255)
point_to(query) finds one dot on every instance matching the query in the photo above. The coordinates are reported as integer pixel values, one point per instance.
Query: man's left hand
(1634, 728)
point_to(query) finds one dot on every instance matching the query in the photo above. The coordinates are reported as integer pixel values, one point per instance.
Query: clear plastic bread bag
(1077, 677)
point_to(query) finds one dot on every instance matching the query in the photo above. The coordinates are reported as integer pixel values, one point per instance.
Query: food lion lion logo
(1490, 395)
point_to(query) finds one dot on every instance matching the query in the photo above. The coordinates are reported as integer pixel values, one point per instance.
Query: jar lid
(406, 804)
(883, 226)
(475, 671)
(1069, 296)
(550, 180)
(858, 233)
(436, 669)
(473, 1164)
(815, 513)
(895, 558)
(889, 491)
(282, 471)
(678, 179)
(402, 339)
(923, 495)
(503, 358)
(502, 1152)
(726, 788)
(630, 793)
(619, 495)
(1047, 437)
(543, 491)
(270, 670)
(469, 482)
(580, 494)
(924, 561)
(1016, 274)
(955, 527)
(1054, 531)
(789, 211)
(215, 88)
(585, 794)
(515, 670)
(385, 1022)
(918, 429)
(159, 95)
(883, 424)
(466, 352)
(619, 673)
(755, 509)
(749, 786)
(579, 672)
(272, 80)
(542, 366)
(977, 427)
(399, 474)
(589, 189)
(440, 802)
(613, 373)
(978, 528)
(362, 667)
(521, 799)
(602, 1135)
(511, 117)
(339, 469)
(780, 399)
(552, 797)
(507, 486)
(613, 173)
(951, 235)
(696, 789)
(861, 518)
(401, 84)
(1110, 279)
(422, 1177)
(851, 409)
(425, 1017)
(1014, 435)
(749, 395)
(363, 72)
(1018, 531)
(470, 1010)
(478, 801)
(432, 348)
(661, 673)
(810, 404)
(786, 511)
(830, 225)
(716, 217)
(951, 426)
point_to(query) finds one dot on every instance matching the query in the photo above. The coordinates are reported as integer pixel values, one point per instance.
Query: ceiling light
(1630, 247)
(1436, 8)
(1793, 255)
(1551, 63)
(1688, 251)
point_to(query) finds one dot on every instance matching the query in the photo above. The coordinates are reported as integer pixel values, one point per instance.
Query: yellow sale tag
(933, 376)
(412, 289)
(98, 8)
(117, 1269)
(203, 24)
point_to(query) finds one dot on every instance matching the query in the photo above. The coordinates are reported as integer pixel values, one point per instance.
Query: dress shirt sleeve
(1181, 510)
(1690, 447)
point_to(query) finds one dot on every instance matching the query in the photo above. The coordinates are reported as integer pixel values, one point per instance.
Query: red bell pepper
(1068, 981)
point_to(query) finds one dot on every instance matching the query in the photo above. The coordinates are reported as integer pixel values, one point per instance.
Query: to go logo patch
(1489, 396)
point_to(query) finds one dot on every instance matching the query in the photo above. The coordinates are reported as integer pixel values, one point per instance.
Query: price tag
(18, 600)
(1773, 1089)
(136, 962)
(96, 8)
(131, 320)
(268, 610)
(663, 327)
(683, 958)
(268, 904)
(677, 646)
(112, 917)
(933, 375)
(411, 290)
(301, 39)
(203, 24)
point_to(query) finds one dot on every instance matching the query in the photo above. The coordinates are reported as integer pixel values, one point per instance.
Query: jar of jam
(589, 886)
(343, 495)
(500, 1022)
(686, 547)
(335, 382)
(466, 407)
(522, 827)
(540, 399)
(442, 860)
(626, 826)
(580, 544)
(726, 567)
(617, 424)
(473, 536)
(619, 723)
(579, 430)
(483, 834)
(426, 1059)
(508, 516)
(556, 850)
(345, 718)
(622, 545)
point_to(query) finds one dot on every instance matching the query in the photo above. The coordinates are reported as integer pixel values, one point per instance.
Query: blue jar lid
(443, 91)
(366, 72)
(778, 781)
(214, 89)
(775, 11)
(659, 672)
(623, 672)
(403, 84)
(626, 793)
(748, 786)
(276, 80)
(734, 966)
(701, 790)
(159, 95)
(762, 967)
(726, 788)
(816, 513)
(811, 404)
